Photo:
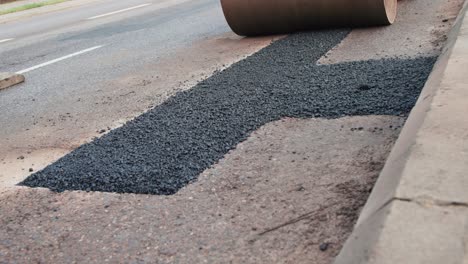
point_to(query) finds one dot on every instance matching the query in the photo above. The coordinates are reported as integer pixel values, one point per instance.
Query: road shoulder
(417, 212)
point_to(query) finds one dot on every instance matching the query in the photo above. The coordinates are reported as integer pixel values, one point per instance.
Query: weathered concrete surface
(428, 167)
(276, 198)
(8, 79)
(419, 30)
(408, 232)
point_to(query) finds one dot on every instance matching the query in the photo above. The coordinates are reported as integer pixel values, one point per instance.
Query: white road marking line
(59, 59)
(5, 40)
(119, 11)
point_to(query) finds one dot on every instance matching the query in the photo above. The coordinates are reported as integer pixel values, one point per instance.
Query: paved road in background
(104, 50)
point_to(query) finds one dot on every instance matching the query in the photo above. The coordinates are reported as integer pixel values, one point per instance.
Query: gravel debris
(324, 246)
(166, 148)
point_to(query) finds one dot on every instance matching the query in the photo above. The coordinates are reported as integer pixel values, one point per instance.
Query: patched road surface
(268, 160)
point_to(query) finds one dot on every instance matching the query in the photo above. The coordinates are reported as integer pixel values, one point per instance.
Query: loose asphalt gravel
(166, 148)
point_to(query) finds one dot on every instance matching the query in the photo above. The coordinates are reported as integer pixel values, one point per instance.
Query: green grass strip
(30, 6)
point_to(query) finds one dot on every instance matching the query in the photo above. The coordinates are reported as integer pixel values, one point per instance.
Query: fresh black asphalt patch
(166, 148)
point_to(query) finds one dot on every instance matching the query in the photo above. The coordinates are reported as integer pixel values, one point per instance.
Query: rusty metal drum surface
(262, 17)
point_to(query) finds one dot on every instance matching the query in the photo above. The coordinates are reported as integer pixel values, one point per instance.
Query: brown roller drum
(262, 17)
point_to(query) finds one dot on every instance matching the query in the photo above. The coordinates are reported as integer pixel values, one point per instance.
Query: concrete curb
(418, 209)
(8, 79)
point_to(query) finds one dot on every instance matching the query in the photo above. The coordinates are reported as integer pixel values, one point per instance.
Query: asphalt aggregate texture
(166, 148)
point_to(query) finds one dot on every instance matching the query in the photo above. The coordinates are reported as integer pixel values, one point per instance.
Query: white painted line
(5, 40)
(119, 11)
(58, 59)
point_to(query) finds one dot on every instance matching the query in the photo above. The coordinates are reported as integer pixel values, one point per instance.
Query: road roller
(266, 17)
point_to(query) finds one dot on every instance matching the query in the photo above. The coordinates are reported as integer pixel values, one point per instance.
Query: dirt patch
(291, 193)
(17, 166)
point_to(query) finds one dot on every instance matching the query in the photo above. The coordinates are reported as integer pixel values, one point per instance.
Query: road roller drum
(263, 17)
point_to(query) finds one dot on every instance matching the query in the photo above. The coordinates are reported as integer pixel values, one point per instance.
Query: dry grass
(30, 6)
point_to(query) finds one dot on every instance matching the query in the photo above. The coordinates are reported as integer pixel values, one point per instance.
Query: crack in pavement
(423, 201)
(427, 200)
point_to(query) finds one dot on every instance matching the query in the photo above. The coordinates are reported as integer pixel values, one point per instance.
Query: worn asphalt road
(129, 42)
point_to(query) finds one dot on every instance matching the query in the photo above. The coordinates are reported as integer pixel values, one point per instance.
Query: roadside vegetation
(30, 6)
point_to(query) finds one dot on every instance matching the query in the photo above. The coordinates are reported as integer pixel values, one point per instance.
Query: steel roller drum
(263, 17)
